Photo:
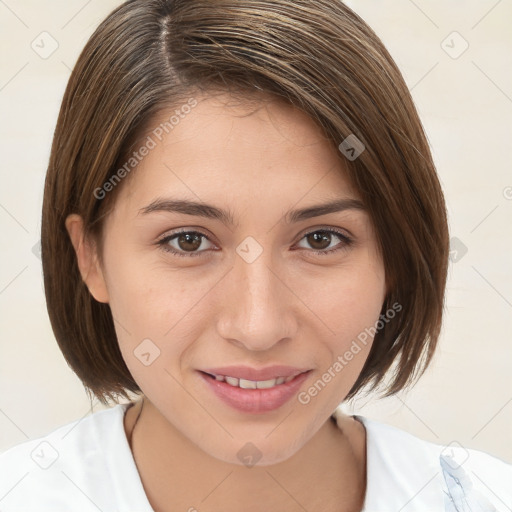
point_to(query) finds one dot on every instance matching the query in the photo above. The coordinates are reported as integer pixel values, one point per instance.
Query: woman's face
(249, 299)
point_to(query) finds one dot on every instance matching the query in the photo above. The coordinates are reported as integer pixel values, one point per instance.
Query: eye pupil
(192, 241)
(319, 237)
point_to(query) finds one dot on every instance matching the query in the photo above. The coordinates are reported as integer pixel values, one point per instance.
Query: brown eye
(321, 239)
(184, 243)
(189, 241)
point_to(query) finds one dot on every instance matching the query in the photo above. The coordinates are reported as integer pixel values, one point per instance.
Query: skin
(289, 306)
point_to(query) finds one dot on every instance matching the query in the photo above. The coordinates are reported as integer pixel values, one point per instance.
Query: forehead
(225, 148)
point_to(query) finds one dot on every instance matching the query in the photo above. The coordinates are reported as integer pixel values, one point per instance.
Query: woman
(242, 223)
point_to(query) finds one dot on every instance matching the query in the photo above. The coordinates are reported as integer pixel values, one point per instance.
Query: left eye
(188, 243)
(323, 236)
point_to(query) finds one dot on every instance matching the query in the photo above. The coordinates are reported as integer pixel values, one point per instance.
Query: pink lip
(248, 373)
(254, 400)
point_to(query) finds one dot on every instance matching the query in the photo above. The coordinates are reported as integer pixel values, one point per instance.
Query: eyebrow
(226, 217)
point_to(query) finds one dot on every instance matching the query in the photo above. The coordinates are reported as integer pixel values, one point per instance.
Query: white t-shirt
(87, 466)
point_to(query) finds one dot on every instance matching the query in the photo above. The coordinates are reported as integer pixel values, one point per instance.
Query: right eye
(186, 243)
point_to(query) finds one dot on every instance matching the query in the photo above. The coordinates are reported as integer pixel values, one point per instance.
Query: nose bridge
(257, 311)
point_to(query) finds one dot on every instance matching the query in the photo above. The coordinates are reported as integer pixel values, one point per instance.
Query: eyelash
(346, 242)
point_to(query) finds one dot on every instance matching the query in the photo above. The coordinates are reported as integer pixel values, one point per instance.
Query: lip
(255, 401)
(249, 373)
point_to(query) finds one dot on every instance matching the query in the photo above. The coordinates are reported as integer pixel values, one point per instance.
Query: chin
(261, 451)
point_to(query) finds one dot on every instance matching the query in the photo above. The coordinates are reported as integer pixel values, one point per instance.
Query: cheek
(347, 300)
(147, 296)
(157, 312)
(350, 306)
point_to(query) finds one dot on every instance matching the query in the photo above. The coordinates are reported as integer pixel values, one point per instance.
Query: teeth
(247, 384)
(254, 384)
(265, 384)
(233, 381)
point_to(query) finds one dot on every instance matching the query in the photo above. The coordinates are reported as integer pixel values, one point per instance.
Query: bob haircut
(149, 56)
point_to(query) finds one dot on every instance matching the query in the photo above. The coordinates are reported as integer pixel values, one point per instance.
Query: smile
(250, 390)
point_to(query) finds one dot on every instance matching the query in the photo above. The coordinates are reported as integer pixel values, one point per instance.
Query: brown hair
(317, 55)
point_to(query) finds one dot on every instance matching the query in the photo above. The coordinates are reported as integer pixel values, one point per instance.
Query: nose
(257, 309)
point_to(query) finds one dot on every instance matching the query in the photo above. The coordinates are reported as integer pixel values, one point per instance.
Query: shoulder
(67, 466)
(421, 473)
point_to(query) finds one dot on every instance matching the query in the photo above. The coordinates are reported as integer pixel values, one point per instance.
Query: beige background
(464, 99)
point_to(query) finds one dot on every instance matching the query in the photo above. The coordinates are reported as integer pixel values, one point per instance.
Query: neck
(332, 463)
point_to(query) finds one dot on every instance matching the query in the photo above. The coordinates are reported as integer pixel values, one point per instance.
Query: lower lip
(255, 400)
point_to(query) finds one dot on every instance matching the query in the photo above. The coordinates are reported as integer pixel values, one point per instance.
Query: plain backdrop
(455, 57)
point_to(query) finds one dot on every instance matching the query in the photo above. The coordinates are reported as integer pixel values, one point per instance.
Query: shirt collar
(403, 472)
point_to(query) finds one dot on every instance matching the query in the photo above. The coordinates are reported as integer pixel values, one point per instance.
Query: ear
(87, 258)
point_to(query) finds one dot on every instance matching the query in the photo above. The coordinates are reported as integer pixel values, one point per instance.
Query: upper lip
(256, 374)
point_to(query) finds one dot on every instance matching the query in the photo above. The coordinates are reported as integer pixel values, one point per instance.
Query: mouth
(254, 391)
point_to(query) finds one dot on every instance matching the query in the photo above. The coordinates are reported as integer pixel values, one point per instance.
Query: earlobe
(87, 258)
